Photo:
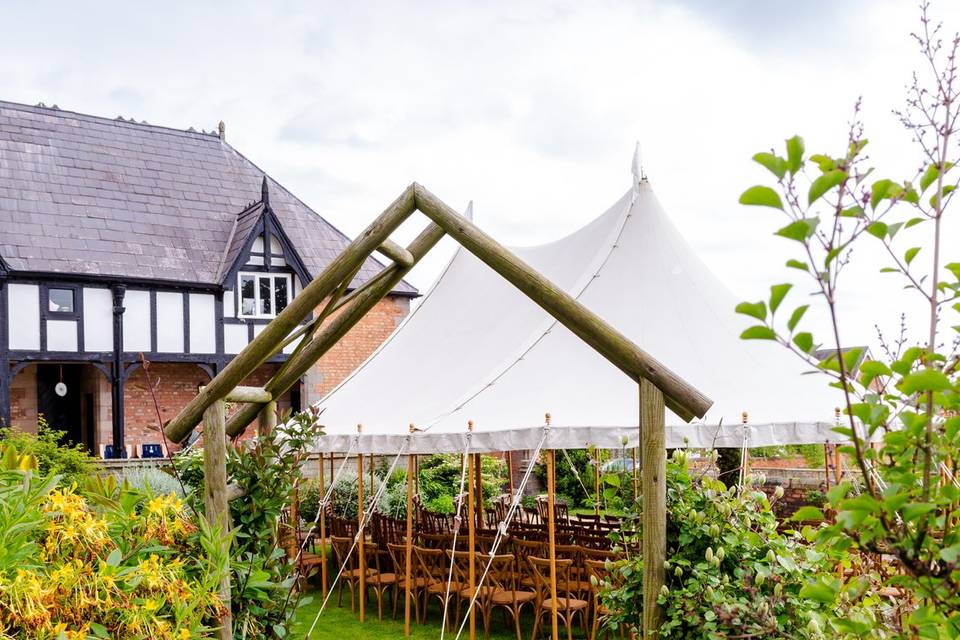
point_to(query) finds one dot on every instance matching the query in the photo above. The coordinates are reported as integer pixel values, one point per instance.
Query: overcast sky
(529, 109)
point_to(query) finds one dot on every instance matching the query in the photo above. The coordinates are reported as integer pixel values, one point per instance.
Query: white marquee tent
(478, 349)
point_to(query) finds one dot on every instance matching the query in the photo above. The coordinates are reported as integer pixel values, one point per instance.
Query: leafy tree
(54, 457)
(904, 504)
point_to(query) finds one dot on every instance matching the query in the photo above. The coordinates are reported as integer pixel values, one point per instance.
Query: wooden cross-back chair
(381, 579)
(569, 606)
(433, 568)
(502, 591)
(599, 575)
(418, 584)
(523, 549)
(350, 576)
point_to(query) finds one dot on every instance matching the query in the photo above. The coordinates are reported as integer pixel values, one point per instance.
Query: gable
(104, 197)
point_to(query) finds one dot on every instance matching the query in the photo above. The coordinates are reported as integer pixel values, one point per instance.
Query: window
(61, 300)
(264, 295)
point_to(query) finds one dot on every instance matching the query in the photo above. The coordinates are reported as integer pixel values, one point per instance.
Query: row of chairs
(519, 574)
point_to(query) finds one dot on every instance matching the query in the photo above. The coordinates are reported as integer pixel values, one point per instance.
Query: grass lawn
(341, 624)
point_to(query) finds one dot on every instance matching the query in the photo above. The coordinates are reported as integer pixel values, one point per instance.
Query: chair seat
(385, 578)
(441, 587)
(354, 574)
(565, 604)
(507, 597)
(416, 583)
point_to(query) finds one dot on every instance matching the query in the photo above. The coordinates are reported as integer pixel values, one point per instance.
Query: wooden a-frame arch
(659, 387)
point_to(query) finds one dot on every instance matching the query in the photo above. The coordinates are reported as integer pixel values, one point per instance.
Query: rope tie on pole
(361, 523)
(502, 530)
(457, 519)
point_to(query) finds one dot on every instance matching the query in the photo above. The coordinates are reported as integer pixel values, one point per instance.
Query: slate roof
(82, 194)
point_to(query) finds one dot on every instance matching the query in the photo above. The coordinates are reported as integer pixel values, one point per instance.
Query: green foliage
(440, 480)
(266, 470)
(907, 397)
(72, 462)
(730, 573)
(152, 479)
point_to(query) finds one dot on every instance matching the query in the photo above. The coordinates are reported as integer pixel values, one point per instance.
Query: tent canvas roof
(478, 349)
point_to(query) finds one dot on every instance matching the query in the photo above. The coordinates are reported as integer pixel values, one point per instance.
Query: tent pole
(510, 471)
(408, 545)
(552, 538)
(746, 449)
(371, 464)
(596, 481)
(478, 482)
(361, 538)
(653, 461)
(323, 530)
(472, 477)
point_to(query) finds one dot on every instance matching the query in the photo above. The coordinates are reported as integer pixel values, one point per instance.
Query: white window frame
(259, 275)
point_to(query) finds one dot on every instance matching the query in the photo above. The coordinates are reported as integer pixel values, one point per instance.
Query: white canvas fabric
(478, 349)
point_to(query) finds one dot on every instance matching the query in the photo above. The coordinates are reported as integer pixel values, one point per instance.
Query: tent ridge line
(681, 397)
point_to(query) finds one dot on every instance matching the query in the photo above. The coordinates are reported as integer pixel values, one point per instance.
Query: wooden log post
(552, 537)
(361, 538)
(408, 544)
(346, 317)
(471, 533)
(681, 397)
(216, 507)
(323, 526)
(267, 420)
(653, 471)
(299, 308)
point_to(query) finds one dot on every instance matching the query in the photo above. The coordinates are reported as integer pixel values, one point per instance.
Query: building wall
(23, 400)
(355, 347)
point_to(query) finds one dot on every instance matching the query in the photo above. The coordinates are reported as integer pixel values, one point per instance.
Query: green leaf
(807, 513)
(794, 154)
(777, 292)
(928, 177)
(925, 380)
(819, 592)
(912, 222)
(761, 197)
(758, 332)
(916, 510)
(911, 254)
(804, 341)
(954, 268)
(851, 357)
(855, 211)
(775, 164)
(756, 310)
(799, 230)
(884, 189)
(797, 264)
(877, 229)
(824, 183)
(870, 370)
(826, 163)
(796, 316)
(937, 197)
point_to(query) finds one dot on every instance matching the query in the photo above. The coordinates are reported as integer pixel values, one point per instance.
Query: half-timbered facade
(122, 242)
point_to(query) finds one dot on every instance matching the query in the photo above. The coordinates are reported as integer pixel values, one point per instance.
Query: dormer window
(264, 295)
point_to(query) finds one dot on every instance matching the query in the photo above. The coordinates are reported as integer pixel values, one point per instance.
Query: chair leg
(536, 625)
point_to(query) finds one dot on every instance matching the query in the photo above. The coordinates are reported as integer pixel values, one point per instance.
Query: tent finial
(639, 175)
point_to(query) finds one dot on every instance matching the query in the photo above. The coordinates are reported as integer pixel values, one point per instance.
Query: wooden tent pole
(471, 532)
(596, 481)
(361, 538)
(408, 544)
(653, 471)
(216, 507)
(478, 482)
(510, 471)
(346, 318)
(682, 398)
(323, 528)
(371, 464)
(552, 538)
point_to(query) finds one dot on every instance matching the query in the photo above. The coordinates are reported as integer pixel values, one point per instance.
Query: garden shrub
(152, 479)
(730, 573)
(142, 567)
(440, 480)
(54, 456)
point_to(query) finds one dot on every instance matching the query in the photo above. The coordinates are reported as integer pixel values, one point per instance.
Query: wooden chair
(569, 606)
(398, 554)
(432, 567)
(502, 591)
(350, 576)
(523, 549)
(381, 581)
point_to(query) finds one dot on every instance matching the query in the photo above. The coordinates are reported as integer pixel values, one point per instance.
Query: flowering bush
(138, 568)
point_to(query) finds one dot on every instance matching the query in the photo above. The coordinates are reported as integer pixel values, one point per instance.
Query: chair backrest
(341, 550)
(523, 549)
(437, 540)
(591, 553)
(398, 554)
(598, 574)
(501, 576)
(461, 566)
(431, 563)
(541, 576)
